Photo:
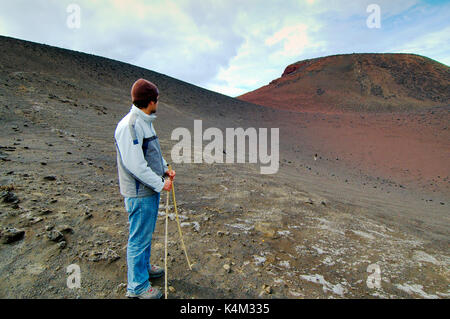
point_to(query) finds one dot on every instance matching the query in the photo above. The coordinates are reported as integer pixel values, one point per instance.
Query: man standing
(141, 169)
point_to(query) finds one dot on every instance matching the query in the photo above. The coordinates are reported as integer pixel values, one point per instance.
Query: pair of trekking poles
(166, 233)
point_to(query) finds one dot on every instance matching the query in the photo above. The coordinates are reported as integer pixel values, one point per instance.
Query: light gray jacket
(140, 163)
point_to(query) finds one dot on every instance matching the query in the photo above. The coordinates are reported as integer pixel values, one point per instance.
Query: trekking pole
(165, 246)
(178, 223)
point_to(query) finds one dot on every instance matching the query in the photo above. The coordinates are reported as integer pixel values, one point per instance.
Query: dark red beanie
(143, 90)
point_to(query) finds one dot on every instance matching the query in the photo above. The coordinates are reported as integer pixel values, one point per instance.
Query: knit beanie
(143, 90)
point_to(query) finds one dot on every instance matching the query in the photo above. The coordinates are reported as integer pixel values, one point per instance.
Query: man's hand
(167, 185)
(170, 173)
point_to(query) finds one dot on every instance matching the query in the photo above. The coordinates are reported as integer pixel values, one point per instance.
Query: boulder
(55, 235)
(11, 235)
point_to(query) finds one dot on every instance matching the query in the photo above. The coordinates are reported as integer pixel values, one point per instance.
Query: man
(141, 169)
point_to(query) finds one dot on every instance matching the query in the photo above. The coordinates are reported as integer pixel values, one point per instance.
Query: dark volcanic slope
(358, 82)
(309, 231)
(81, 77)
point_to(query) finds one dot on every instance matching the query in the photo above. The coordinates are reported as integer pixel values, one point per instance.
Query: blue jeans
(142, 215)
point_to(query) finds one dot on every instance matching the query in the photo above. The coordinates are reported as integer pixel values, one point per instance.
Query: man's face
(153, 106)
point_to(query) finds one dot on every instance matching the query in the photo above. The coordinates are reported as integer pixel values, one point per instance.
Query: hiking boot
(151, 293)
(155, 271)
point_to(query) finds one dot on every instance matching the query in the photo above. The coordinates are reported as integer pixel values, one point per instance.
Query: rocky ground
(316, 229)
(248, 235)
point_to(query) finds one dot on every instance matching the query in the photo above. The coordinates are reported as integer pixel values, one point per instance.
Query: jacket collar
(148, 118)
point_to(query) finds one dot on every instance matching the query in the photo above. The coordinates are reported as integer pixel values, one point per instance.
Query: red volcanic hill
(358, 82)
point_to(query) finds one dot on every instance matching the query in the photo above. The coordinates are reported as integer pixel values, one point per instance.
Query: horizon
(319, 57)
(227, 47)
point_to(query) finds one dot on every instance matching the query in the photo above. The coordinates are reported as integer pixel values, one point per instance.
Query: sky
(230, 46)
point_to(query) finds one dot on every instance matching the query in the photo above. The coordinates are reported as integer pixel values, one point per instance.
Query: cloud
(274, 38)
(318, 28)
(295, 39)
(160, 35)
(230, 46)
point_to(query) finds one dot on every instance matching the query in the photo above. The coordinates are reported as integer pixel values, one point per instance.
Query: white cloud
(274, 38)
(231, 46)
(295, 39)
(224, 88)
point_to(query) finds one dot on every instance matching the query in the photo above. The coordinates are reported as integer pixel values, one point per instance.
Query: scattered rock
(55, 236)
(46, 212)
(50, 178)
(62, 244)
(121, 288)
(9, 197)
(195, 225)
(34, 220)
(11, 235)
(266, 289)
(7, 187)
(227, 268)
(65, 229)
(108, 254)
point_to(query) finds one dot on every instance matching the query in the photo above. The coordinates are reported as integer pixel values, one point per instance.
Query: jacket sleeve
(133, 159)
(165, 164)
